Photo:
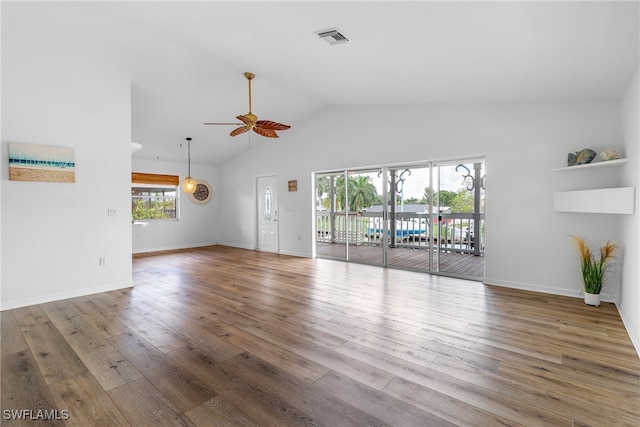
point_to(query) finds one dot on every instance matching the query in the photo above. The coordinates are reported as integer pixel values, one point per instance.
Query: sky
(416, 182)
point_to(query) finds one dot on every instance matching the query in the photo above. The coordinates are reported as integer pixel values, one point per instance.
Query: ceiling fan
(250, 121)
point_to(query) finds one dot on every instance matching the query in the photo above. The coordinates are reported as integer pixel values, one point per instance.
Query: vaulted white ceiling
(411, 52)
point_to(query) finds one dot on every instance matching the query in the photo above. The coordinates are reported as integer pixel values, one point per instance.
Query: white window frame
(172, 188)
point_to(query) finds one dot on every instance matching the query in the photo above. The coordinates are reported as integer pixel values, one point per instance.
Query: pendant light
(189, 184)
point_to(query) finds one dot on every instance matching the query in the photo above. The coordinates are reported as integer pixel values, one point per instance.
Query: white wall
(62, 89)
(198, 224)
(527, 244)
(629, 302)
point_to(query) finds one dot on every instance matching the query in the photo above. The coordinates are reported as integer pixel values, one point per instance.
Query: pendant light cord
(189, 154)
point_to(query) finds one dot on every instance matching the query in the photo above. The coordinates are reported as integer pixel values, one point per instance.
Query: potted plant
(594, 267)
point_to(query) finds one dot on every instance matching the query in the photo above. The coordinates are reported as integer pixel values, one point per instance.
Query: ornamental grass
(594, 267)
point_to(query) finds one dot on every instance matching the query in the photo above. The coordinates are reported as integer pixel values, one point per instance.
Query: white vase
(592, 299)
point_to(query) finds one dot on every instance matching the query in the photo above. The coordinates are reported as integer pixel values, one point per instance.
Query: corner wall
(63, 84)
(629, 302)
(198, 224)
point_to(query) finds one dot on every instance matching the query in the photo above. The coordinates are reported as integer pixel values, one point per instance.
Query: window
(154, 196)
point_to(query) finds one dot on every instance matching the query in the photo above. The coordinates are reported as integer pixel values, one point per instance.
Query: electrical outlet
(112, 212)
(102, 261)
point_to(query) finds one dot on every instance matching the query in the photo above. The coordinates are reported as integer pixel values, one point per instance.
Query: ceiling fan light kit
(266, 128)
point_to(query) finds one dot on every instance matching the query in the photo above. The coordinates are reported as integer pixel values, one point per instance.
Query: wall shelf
(602, 164)
(620, 200)
(604, 200)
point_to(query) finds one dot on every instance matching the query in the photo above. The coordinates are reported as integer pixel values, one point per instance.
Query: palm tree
(323, 186)
(341, 200)
(362, 192)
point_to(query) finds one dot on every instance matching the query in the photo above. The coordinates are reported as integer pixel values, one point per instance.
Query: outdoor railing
(451, 232)
(352, 227)
(457, 232)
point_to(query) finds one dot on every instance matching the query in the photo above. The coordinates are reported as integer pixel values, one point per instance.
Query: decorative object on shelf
(202, 194)
(611, 155)
(189, 184)
(581, 157)
(43, 163)
(594, 267)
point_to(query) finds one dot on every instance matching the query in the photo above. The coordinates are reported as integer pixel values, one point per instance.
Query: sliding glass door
(347, 226)
(410, 213)
(365, 225)
(459, 229)
(330, 216)
(426, 216)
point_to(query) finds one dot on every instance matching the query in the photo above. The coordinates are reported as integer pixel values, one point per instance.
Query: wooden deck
(463, 265)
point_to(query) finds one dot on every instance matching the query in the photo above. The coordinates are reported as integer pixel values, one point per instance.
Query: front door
(266, 190)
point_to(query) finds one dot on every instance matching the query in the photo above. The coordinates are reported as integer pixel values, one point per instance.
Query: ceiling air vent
(333, 36)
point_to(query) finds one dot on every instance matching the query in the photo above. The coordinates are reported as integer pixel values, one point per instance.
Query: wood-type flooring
(221, 336)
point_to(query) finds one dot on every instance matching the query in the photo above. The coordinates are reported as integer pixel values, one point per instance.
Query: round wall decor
(202, 195)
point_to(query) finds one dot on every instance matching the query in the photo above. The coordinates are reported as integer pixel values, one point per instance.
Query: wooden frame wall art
(42, 163)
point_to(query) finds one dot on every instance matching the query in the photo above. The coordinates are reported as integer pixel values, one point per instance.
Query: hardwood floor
(220, 336)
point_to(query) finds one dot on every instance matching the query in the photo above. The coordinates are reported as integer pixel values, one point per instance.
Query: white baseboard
(173, 247)
(634, 334)
(57, 296)
(236, 245)
(254, 248)
(576, 293)
(294, 253)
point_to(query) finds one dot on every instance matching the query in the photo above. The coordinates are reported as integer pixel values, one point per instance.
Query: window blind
(154, 178)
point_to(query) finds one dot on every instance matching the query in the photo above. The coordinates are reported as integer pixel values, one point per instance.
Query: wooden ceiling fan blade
(240, 130)
(224, 124)
(268, 124)
(269, 133)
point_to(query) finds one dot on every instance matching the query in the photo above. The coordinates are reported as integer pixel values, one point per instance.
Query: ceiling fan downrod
(249, 77)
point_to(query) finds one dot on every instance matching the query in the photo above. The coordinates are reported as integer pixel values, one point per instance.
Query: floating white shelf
(604, 200)
(602, 164)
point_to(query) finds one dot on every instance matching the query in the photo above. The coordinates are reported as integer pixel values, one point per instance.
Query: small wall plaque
(293, 185)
